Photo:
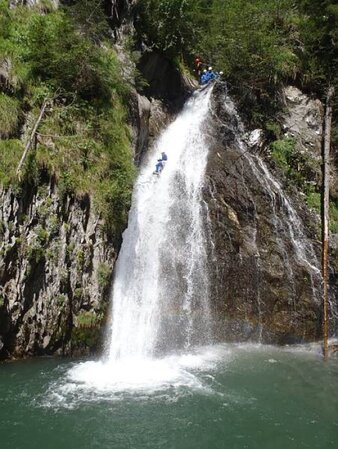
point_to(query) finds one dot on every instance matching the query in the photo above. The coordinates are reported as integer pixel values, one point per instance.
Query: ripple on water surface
(237, 396)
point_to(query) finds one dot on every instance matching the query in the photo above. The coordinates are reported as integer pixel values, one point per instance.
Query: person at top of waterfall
(218, 75)
(204, 77)
(158, 167)
(198, 65)
(211, 74)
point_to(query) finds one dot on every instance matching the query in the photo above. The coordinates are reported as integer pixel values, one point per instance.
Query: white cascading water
(160, 293)
(160, 313)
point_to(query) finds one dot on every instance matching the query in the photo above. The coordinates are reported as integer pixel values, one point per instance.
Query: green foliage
(89, 17)
(167, 24)
(249, 41)
(69, 249)
(35, 253)
(313, 200)
(42, 235)
(103, 275)
(86, 319)
(282, 152)
(64, 59)
(61, 300)
(83, 139)
(300, 168)
(273, 129)
(80, 259)
(318, 28)
(334, 216)
(53, 224)
(9, 115)
(86, 332)
(259, 45)
(10, 154)
(78, 293)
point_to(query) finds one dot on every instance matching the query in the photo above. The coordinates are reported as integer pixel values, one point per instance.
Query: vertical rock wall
(55, 270)
(265, 264)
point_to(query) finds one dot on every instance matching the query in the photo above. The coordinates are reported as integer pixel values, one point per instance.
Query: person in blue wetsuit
(158, 167)
(211, 74)
(164, 156)
(204, 77)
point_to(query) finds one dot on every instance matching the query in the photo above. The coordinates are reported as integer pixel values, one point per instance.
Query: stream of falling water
(160, 294)
(160, 317)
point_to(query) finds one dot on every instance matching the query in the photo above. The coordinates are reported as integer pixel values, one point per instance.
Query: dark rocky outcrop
(55, 270)
(165, 81)
(265, 270)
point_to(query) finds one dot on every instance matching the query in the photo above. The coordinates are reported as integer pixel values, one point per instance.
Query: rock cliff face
(55, 269)
(303, 122)
(265, 270)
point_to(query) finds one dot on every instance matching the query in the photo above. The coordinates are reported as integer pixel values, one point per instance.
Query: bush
(282, 152)
(35, 253)
(9, 115)
(10, 153)
(313, 200)
(86, 319)
(103, 275)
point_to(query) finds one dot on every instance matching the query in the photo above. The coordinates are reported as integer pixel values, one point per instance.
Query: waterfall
(161, 328)
(160, 291)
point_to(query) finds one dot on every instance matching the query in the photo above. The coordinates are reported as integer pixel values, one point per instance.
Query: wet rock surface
(265, 264)
(55, 270)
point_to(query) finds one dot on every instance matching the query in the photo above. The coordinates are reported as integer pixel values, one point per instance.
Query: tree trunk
(325, 218)
(32, 136)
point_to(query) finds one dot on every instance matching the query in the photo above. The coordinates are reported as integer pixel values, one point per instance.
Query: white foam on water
(167, 379)
(174, 376)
